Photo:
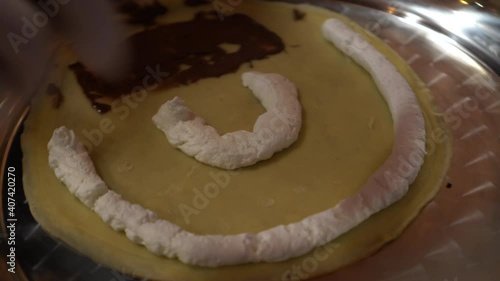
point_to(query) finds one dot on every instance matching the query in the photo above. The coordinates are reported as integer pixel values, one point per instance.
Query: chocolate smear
(182, 53)
(298, 15)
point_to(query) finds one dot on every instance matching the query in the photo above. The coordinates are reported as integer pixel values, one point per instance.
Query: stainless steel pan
(454, 46)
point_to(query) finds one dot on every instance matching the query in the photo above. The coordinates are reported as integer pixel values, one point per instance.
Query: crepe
(347, 134)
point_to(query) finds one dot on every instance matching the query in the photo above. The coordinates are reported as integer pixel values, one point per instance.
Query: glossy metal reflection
(451, 45)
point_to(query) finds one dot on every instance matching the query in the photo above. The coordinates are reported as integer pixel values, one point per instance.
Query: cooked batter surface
(346, 136)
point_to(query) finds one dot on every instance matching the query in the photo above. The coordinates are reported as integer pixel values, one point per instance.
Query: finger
(24, 51)
(96, 35)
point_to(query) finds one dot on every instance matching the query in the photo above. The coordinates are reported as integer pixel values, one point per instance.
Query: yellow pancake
(347, 134)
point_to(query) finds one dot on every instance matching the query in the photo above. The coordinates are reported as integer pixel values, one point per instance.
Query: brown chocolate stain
(141, 14)
(56, 94)
(194, 3)
(298, 15)
(187, 51)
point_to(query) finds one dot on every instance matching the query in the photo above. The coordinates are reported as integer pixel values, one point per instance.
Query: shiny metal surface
(457, 236)
(475, 25)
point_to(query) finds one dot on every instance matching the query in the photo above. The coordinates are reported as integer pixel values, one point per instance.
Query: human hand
(29, 30)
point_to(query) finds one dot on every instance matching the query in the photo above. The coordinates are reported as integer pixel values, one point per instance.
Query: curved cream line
(388, 184)
(273, 131)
